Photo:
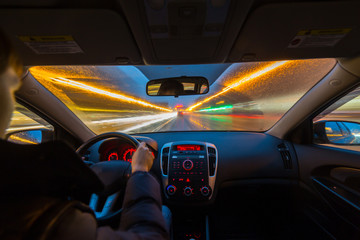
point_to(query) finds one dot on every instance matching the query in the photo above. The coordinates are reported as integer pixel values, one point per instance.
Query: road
(179, 122)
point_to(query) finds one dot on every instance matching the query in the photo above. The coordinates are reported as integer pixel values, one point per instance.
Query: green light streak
(216, 109)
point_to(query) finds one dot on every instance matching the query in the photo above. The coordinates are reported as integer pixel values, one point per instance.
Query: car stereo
(188, 170)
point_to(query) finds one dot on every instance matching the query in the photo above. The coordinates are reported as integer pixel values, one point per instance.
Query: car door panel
(333, 175)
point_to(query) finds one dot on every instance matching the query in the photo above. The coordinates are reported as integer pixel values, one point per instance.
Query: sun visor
(299, 31)
(70, 37)
(185, 32)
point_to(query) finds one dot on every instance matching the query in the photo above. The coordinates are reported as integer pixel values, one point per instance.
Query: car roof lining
(114, 33)
(102, 40)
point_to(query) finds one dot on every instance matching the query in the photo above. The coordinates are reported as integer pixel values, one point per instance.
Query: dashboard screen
(189, 147)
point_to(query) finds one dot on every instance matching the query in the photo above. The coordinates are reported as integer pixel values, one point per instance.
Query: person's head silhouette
(171, 88)
(11, 70)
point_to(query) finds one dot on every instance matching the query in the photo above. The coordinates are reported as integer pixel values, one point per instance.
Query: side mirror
(35, 136)
(177, 86)
(337, 132)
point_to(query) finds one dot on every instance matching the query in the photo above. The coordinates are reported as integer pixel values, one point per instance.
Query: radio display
(189, 147)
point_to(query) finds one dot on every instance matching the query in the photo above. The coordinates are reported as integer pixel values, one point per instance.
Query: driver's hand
(142, 160)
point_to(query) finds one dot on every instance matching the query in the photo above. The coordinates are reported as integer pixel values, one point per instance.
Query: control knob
(171, 189)
(188, 164)
(188, 191)
(205, 191)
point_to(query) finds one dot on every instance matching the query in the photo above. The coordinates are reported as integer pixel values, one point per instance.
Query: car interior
(262, 141)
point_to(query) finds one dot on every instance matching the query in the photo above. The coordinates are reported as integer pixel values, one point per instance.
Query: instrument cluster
(115, 149)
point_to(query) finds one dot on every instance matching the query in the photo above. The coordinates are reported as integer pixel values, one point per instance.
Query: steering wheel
(114, 175)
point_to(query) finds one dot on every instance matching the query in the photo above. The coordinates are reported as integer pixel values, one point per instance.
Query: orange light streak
(239, 82)
(118, 96)
(20, 139)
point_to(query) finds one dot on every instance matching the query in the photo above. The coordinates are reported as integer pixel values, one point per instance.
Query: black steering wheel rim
(114, 174)
(103, 136)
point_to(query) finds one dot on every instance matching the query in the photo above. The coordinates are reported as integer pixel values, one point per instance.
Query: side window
(28, 128)
(339, 124)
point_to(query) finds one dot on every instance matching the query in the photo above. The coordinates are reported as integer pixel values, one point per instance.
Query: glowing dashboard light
(113, 156)
(107, 93)
(128, 154)
(239, 82)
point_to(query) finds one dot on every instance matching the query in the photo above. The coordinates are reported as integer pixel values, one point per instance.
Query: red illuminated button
(171, 189)
(188, 165)
(205, 191)
(188, 191)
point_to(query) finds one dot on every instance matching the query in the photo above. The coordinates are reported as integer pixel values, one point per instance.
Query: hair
(8, 56)
(171, 87)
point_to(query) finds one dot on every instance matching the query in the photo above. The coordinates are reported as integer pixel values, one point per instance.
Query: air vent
(211, 150)
(212, 161)
(166, 150)
(285, 155)
(165, 160)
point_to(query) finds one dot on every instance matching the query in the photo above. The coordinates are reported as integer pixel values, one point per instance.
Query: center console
(189, 170)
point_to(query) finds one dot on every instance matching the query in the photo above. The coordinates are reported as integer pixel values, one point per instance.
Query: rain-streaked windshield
(242, 96)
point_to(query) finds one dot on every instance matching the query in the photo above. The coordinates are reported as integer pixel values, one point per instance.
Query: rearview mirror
(337, 132)
(35, 136)
(177, 86)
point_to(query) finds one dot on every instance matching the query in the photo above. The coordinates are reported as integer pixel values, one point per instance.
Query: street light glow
(107, 93)
(242, 80)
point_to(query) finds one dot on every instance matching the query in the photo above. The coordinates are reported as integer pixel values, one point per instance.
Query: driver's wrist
(139, 172)
(139, 169)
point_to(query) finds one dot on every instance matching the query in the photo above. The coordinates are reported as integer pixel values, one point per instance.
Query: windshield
(242, 96)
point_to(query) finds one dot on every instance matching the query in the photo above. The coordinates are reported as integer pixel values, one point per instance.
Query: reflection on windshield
(242, 96)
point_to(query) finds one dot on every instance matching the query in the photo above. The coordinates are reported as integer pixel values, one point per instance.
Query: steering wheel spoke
(107, 208)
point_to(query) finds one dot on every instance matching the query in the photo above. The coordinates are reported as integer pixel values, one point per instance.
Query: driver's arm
(141, 217)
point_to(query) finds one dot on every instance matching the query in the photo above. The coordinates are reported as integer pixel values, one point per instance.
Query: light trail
(216, 109)
(105, 110)
(118, 96)
(23, 140)
(162, 125)
(199, 124)
(239, 82)
(13, 129)
(169, 116)
(136, 119)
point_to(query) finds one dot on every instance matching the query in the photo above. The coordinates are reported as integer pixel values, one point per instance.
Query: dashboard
(188, 170)
(193, 166)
